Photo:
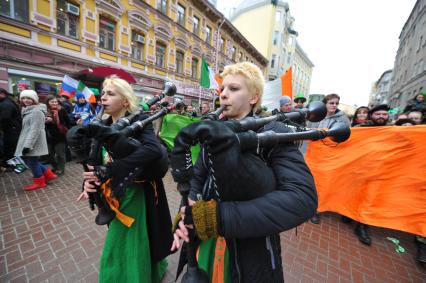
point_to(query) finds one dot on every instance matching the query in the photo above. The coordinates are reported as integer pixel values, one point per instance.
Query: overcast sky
(351, 43)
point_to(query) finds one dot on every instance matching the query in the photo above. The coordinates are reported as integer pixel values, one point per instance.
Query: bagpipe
(118, 139)
(236, 156)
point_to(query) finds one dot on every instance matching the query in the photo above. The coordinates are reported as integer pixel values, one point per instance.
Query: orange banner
(377, 177)
(287, 84)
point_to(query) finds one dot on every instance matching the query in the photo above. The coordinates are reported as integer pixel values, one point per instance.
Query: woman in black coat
(250, 228)
(57, 125)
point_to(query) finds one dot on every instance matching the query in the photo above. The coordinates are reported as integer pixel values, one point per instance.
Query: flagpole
(199, 97)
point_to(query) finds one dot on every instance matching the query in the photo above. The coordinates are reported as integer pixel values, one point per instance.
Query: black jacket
(251, 228)
(52, 131)
(142, 165)
(10, 126)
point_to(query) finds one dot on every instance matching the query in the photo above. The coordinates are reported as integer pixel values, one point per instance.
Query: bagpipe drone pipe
(237, 170)
(225, 144)
(119, 140)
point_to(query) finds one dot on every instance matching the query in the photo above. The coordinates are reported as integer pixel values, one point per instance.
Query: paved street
(47, 235)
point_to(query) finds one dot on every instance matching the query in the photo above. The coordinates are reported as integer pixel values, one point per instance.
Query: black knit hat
(2, 90)
(378, 108)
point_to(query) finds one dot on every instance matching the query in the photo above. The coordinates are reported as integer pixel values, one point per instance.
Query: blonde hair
(254, 78)
(124, 89)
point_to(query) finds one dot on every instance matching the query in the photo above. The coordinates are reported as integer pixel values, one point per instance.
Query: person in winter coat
(57, 125)
(416, 104)
(83, 113)
(334, 115)
(360, 116)
(249, 229)
(10, 126)
(138, 242)
(32, 141)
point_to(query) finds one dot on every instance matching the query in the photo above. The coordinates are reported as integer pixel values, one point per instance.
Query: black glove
(25, 150)
(102, 172)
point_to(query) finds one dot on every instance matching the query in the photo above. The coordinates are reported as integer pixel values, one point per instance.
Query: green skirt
(126, 254)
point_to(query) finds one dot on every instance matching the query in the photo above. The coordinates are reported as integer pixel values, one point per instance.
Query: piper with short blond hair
(239, 227)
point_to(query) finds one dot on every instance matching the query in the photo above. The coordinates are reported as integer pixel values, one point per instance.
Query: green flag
(207, 76)
(172, 124)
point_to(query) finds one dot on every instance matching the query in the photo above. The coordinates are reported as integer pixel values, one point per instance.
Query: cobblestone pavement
(45, 235)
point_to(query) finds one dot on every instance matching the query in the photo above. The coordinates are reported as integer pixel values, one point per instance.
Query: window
(195, 25)
(222, 44)
(241, 56)
(275, 38)
(162, 6)
(107, 34)
(160, 55)
(67, 23)
(181, 15)
(234, 53)
(273, 61)
(208, 34)
(420, 43)
(278, 16)
(179, 62)
(194, 68)
(138, 46)
(15, 9)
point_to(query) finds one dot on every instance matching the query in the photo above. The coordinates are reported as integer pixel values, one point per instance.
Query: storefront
(43, 84)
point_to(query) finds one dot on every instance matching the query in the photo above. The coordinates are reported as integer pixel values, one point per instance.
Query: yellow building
(154, 40)
(275, 37)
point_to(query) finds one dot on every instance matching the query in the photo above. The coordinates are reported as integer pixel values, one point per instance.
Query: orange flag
(377, 177)
(286, 84)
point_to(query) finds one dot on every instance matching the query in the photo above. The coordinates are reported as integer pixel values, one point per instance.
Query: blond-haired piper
(244, 235)
(138, 238)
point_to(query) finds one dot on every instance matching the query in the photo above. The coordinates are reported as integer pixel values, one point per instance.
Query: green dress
(126, 254)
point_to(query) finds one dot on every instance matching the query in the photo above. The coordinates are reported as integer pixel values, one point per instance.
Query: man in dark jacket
(416, 104)
(10, 126)
(377, 116)
(251, 228)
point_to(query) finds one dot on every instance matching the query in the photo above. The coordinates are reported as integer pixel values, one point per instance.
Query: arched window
(179, 62)
(15, 9)
(160, 54)
(194, 68)
(138, 46)
(107, 29)
(68, 15)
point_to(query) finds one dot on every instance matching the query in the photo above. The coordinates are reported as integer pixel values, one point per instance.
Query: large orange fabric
(377, 177)
(286, 84)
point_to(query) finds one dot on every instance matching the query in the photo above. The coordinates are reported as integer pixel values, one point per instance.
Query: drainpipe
(217, 43)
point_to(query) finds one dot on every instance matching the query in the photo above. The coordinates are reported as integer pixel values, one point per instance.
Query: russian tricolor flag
(69, 87)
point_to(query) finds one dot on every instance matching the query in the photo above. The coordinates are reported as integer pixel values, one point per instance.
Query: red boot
(38, 184)
(49, 175)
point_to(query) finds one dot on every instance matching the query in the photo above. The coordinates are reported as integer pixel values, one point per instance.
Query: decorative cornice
(140, 20)
(181, 42)
(112, 7)
(163, 32)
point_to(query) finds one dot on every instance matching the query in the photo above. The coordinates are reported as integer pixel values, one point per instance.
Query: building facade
(154, 40)
(409, 72)
(275, 37)
(381, 89)
(302, 72)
